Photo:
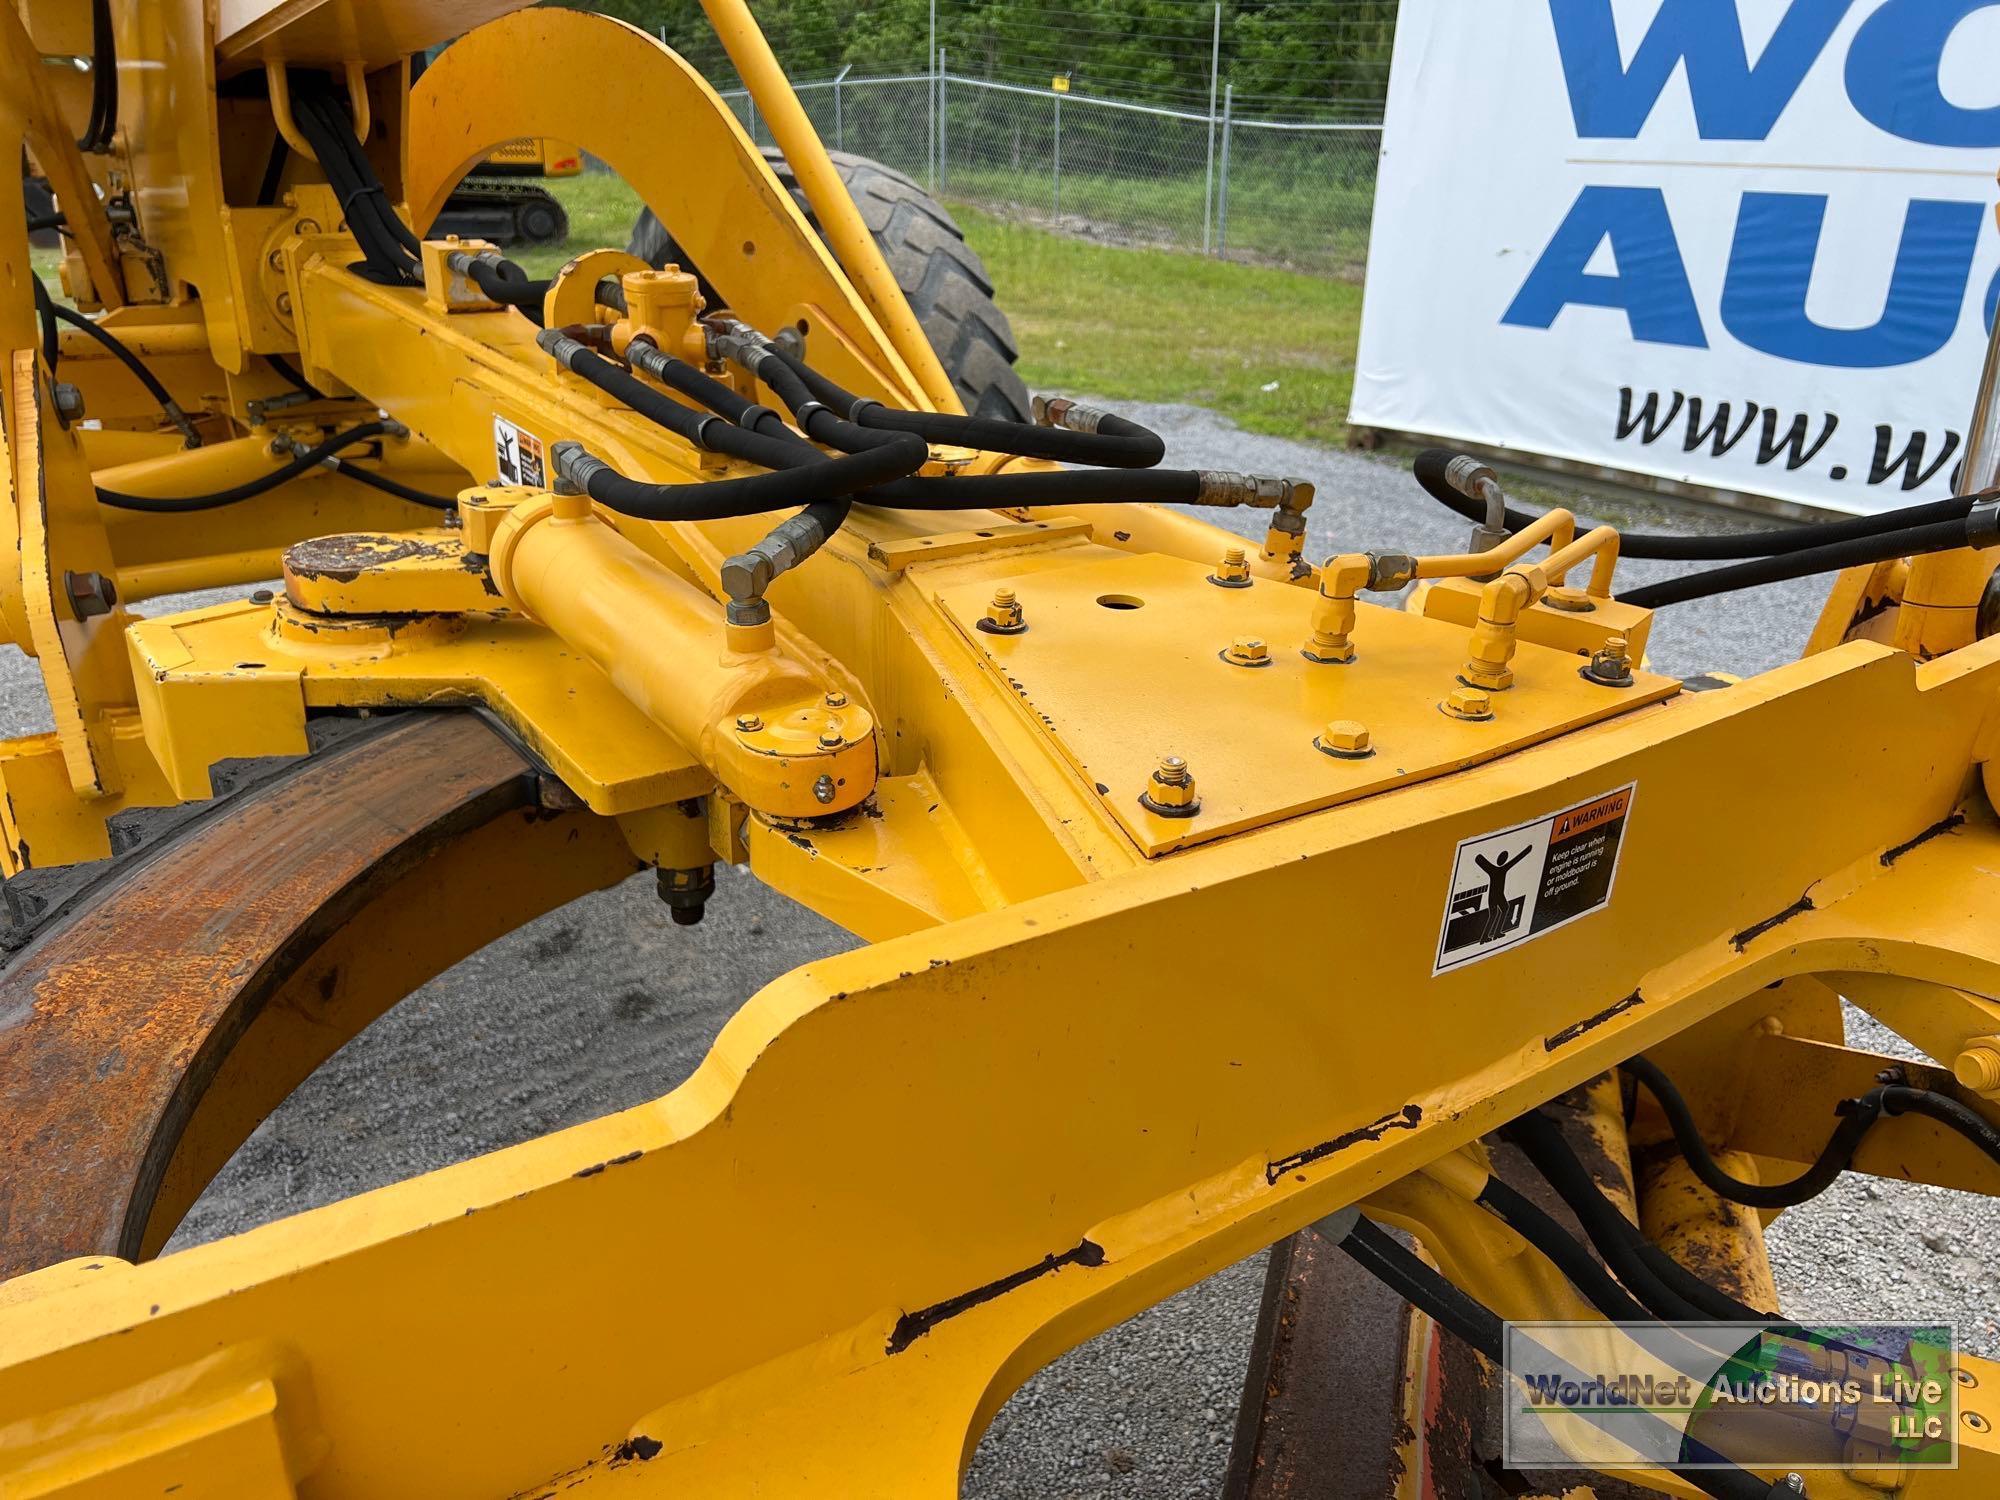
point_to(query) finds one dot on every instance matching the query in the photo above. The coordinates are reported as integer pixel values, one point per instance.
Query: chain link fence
(1287, 193)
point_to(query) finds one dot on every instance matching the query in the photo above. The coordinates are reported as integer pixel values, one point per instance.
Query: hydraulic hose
(1109, 440)
(1475, 1324)
(389, 248)
(51, 336)
(1861, 1114)
(103, 123)
(130, 361)
(1649, 1273)
(1430, 470)
(1898, 1100)
(174, 504)
(389, 486)
(1539, 1229)
(721, 499)
(1978, 527)
(510, 291)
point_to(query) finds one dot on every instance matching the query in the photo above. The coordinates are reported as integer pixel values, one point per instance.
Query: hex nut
(1469, 703)
(1345, 739)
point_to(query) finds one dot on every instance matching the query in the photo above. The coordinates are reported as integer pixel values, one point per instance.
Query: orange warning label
(1590, 815)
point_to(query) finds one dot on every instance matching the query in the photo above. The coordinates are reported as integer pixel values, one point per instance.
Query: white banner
(1742, 244)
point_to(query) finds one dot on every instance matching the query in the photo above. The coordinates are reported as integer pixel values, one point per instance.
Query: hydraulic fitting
(1233, 572)
(660, 306)
(1344, 739)
(1225, 487)
(1170, 790)
(1060, 411)
(1004, 615)
(749, 573)
(1339, 581)
(686, 892)
(1246, 651)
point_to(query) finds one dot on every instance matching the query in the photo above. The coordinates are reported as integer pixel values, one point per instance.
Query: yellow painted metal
(24, 75)
(363, 573)
(1123, 663)
(1168, 1131)
(853, 245)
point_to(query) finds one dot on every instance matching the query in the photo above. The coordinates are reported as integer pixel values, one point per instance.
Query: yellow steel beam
(922, 1169)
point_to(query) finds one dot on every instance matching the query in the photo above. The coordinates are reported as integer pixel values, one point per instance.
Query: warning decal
(1513, 885)
(517, 455)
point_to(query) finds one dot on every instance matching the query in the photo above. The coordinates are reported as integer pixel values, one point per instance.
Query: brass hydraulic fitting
(1344, 739)
(1225, 487)
(1469, 703)
(1004, 615)
(1247, 651)
(1060, 411)
(1610, 664)
(1233, 572)
(1170, 790)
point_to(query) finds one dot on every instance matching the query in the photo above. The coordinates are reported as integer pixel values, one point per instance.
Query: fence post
(944, 123)
(1222, 188)
(839, 122)
(931, 112)
(1055, 164)
(1208, 178)
(750, 102)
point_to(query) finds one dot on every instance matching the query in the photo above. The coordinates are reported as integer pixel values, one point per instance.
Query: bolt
(1004, 615)
(1976, 1422)
(284, 304)
(1247, 651)
(831, 737)
(1468, 703)
(68, 401)
(1345, 739)
(748, 723)
(1170, 790)
(1978, 1066)
(823, 789)
(1328, 649)
(261, 596)
(686, 892)
(90, 594)
(1611, 664)
(836, 699)
(1233, 572)
(1965, 1377)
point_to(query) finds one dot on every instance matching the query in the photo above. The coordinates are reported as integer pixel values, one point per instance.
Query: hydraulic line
(103, 123)
(1860, 1115)
(174, 504)
(131, 362)
(1898, 1100)
(1649, 1273)
(51, 336)
(1539, 1229)
(1430, 469)
(1476, 1325)
(288, 372)
(1108, 440)
(1978, 527)
(389, 248)
(510, 291)
(390, 486)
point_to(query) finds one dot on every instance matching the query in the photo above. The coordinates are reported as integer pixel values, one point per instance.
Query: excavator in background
(1492, 977)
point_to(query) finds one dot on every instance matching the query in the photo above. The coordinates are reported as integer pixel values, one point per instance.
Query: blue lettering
(1651, 286)
(1892, 74)
(1733, 101)
(1771, 267)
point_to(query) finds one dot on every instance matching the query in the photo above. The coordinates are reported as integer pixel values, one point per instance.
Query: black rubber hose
(1833, 1158)
(1429, 470)
(130, 361)
(723, 400)
(1899, 1100)
(1119, 443)
(394, 487)
(288, 372)
(47, 221)
(1938, 536)
(1473, 1323)
(174, 504)
(51, 336)
(722, 499)
(1649, 1273)
(509, 291)
(103, 124)
(370, 218)
(334, 112)
(1539, 1229)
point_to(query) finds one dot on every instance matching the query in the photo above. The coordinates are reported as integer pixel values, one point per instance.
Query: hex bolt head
(1345, 739)
(832, 737)
(1170, 790)
(1247, 651)
(1004, 615)
(823, 789)
(1570, 600)
(68, 401)
(1233, 572)
(1470, 703)
(1611, 664)
(90, 594)
(836, 699)
(749, 723)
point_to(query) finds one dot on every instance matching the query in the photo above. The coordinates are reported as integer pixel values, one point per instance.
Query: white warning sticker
(1521, 882)
(517, 454)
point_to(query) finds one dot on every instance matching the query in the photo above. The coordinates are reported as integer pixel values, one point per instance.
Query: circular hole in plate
(1121, 601)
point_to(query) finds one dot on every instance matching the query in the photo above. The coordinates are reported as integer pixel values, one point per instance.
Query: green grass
(601, 210)
(1271, 350)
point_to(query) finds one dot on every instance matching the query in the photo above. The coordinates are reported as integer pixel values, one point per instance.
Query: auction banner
(1744, 245)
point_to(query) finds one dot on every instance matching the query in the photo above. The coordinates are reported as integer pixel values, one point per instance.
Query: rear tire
(942, 276)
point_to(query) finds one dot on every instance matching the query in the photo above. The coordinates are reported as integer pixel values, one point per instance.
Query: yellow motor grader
(1210, 906)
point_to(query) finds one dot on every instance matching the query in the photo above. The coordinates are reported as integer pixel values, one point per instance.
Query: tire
(942, 276)
(542, 222)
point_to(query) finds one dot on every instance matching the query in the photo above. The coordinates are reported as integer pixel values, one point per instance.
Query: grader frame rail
(1159, 847)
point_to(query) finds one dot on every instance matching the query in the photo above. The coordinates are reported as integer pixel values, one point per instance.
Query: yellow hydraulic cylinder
(769, 730)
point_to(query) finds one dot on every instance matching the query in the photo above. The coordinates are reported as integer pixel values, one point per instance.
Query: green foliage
(1286, 58)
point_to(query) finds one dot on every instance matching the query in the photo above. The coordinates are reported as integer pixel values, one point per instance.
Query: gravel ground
(605, 1004)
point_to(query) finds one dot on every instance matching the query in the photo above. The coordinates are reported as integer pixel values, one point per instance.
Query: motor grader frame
(1157, 847)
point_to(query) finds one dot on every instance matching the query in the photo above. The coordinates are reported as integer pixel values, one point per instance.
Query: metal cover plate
(1121, 664)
